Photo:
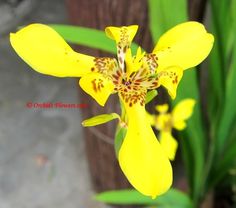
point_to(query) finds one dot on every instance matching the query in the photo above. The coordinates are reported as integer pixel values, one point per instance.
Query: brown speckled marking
(151, 60)
(174, 77)
(175, 80)
(122, 46)
(104, 65)
(94, 85)
(133, 88)
(97, 85)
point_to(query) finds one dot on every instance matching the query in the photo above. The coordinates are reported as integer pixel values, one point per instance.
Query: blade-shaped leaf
(164, 14)
(119, 138)
(223, 30)
(88, 37)
(150, 96)
(229, 111)
(223, 167)
(173, 198)
(100, 119)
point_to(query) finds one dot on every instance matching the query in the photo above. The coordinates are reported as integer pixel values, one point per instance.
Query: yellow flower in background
(165, 122)
(141, 157)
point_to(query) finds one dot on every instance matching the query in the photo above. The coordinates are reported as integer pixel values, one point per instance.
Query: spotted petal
(169, 144)
(46, 52)
(96, 85)
(150, 61)
(142, 158)
(123, 37)
(170, 78)
(124, 34)
(185, 45)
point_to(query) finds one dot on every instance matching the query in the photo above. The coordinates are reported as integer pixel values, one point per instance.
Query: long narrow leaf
(172, 198)
(88, 37)
(100, 119)
(223, 167)
(229, 110)
(224, 24)
(219, 57)
(164, 14)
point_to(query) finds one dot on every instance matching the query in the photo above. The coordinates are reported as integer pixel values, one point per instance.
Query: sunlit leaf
(100, 119)
(150, 96)
(229, 110)
(164, 14)
(173, 198)
(119, 138)
(88, 37)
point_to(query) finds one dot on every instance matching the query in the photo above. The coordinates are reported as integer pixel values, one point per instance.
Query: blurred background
(47, 160)
(42, 156)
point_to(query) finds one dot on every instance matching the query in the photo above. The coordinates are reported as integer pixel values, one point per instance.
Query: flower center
(132, 88)
(164, 122)
(127, 83)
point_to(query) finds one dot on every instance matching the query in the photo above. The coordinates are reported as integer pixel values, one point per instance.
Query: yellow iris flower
(165, 122)
(141, 157)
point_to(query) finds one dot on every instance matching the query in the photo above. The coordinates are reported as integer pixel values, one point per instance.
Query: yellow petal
(182, 111)
(163, 122)
(179, 125)
(133, 64)
(185, 45)
(46, 52)
(169, 144)
(123, 37)
(162, 108)
(170, 78)
(150, 118)
(97, 86)
(141, 157)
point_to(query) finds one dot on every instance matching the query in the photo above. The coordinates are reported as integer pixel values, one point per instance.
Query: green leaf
(100, 119)
(195, 137)
(226, 159)
(119, 138)
(150, 96)
(229, 111)
(173, 198)
(223, 30)
(164, 14)
(224, 165)
(88, 37)
(221, 95)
